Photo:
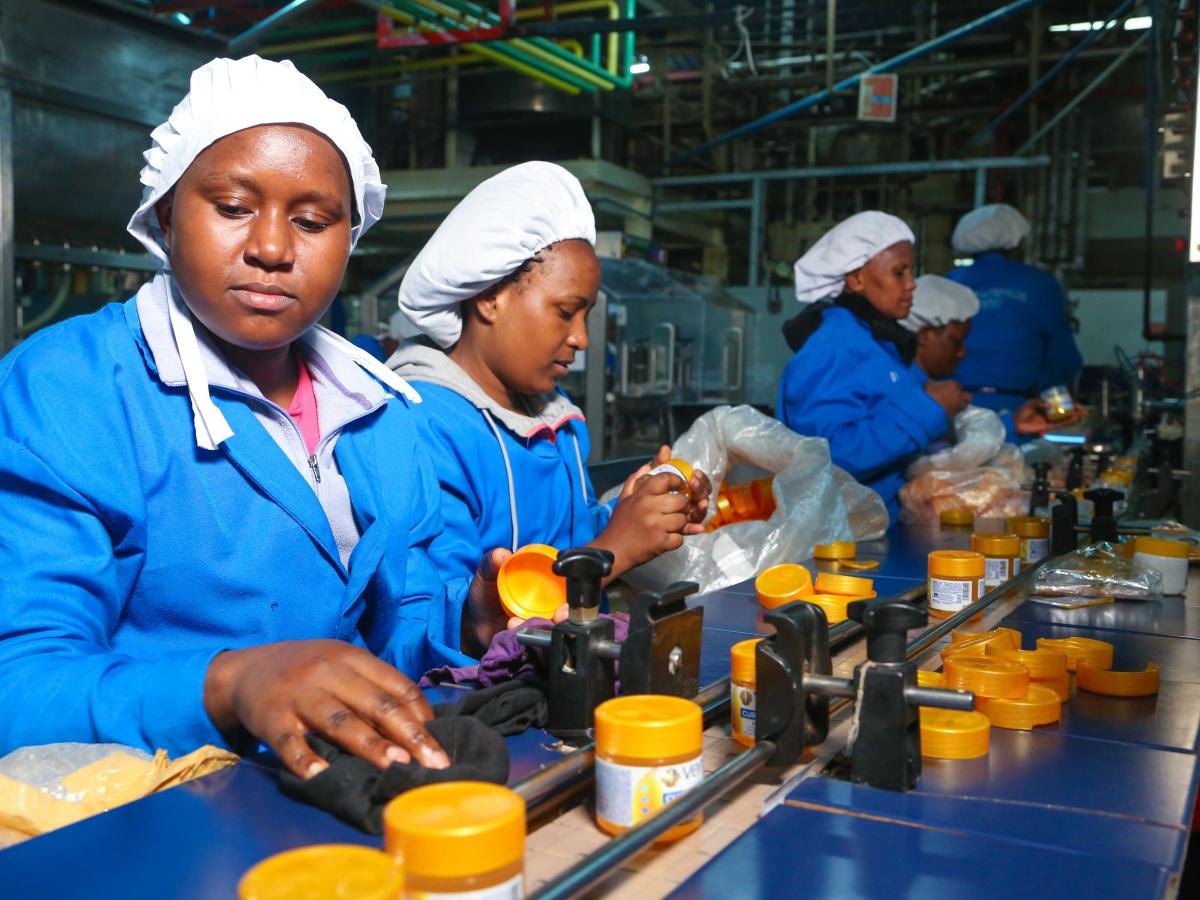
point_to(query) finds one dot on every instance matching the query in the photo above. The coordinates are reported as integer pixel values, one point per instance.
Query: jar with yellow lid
(648, 750)
(458, 839)
(680, 470)
(1034, 532)
(1001, 553)
(1165, 556)
(955, 581)
(743, 689)
(324, 870)
(957, 518)
(1059, 405)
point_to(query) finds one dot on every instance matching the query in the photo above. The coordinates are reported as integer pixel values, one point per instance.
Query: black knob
(1040, 496)
(1075, 469)
(1104, 523)
(584, 568)
(887, 623)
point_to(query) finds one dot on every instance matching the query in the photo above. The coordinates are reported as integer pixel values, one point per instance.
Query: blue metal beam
(886, 66)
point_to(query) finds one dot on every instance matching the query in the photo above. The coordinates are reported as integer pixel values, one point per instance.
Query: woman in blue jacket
(215, 515)
(502, 324)
(851, 379)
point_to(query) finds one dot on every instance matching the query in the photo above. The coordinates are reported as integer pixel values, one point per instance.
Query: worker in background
(852, 379)
(1021, 341)
(216, 514)
(501, 294)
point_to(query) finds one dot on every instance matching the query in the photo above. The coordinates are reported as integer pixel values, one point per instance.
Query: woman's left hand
(483, 615)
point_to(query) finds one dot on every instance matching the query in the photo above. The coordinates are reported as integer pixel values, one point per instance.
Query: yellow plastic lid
(1097, 654)
(1000, 637)
(724, 508)
(1060, 685)
(324, 871)
(957, 517)
(1043, 663)
(987, 676)
(527, 584)
(858, 565)
(996, 544)
(742, 498)
(648, 726)
(1161, 547)
(953, 734)
(925, 678)
(455, 829)
(1028, 526)
(742, 667)
(833, 604)
(1117, 684)
(845, 585)
(1040, 706)
(956, 564)
(780, 585)
(836, 550)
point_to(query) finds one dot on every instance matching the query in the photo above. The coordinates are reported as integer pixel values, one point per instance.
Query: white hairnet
(488, 236)
(994, 227)
(226, 96)
(939, 301)
(849, 245)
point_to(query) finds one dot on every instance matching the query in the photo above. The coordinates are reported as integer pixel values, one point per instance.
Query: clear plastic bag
(1093, 573)
(816, 502)
(979, 473)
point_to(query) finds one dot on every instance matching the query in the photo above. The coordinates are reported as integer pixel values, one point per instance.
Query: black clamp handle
(1104, 520)
(1039, 497)
(585, 569)
(1064, 517)
(886, 623)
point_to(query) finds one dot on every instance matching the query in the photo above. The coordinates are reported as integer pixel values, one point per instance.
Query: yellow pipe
(441, 62)
(335, 41)
(571, 46)
(614, 12)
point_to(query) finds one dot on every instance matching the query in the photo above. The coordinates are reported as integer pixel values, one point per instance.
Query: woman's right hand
(280, 692)
(949, 395)
(646, 523)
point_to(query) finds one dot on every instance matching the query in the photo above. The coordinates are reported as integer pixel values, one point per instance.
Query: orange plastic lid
(527, 584)
(952, 734)
(1028, 526)
(994, 544)
(1097, 654)
(1117, 684)
(957, 517)
(455, 829)
(742, 498)
(987, 676)
(1040, 706)
(1008, 637)
(845, 585)
(1161, 547)
(1042, 664)
(724, 508)
(648, 726)
(323, 871)
(956, 564)
(761, 490)
(836, 550)
(742, 667)
(981, 644)
(925, 678)
(858, 565)
(780, 585)
(833, 604)
(1060, 685)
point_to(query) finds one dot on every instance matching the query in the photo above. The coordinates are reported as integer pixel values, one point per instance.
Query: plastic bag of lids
(46, 787)
(815, 502)
(1094, 572)
(979, 472)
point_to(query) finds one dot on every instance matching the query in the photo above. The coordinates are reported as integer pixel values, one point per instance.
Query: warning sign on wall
(877, 98)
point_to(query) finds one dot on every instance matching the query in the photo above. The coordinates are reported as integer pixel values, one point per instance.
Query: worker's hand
(1030, 417)
(281, 692)
(699, 489)
(949, 395)
(646, 523)
(483, 615)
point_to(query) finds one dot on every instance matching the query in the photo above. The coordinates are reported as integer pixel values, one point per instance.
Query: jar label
(995, 572)
(513, 889)
(950, 596)
(627, 794)
(1035, 549)
(745, 706)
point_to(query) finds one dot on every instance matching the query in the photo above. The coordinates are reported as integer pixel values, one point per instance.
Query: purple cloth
(506, 659)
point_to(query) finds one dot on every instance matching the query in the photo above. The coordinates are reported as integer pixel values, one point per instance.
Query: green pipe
(422, 13)
(630, 12)
(596, 45)
(328, 27)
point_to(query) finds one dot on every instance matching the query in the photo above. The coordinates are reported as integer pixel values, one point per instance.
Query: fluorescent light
(183, 18)
(1137, 23)
(964, 261)
(1134, 23)
(640, 67)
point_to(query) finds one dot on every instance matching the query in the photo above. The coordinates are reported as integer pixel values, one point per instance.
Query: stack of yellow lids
(1006, 691)
(952, 734)
(987, 677)
(783, 584)
(845, 585)
(833, 604)
(843, 556)
(1048, 667)
(1097, 654)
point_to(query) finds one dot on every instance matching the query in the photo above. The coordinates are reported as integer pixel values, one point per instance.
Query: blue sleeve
(60, 680)
(1061, 361)
(599, 513)
(821, 395)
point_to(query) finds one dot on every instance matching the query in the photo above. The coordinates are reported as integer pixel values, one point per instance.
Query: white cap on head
(821, 272)
(997, 226)
(226, 96)
(939, 301)
(492, 232)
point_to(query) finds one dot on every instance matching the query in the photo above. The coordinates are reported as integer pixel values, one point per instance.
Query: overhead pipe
(613, 39)
(888, 65)
(255, 32)
(465, 58)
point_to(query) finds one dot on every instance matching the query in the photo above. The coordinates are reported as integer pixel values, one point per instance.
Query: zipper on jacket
(316, 468)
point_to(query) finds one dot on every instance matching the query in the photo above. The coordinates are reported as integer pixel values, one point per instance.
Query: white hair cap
(939, 301)
(492, 232)
(226, 96)
(821, 272)
(994, 227)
